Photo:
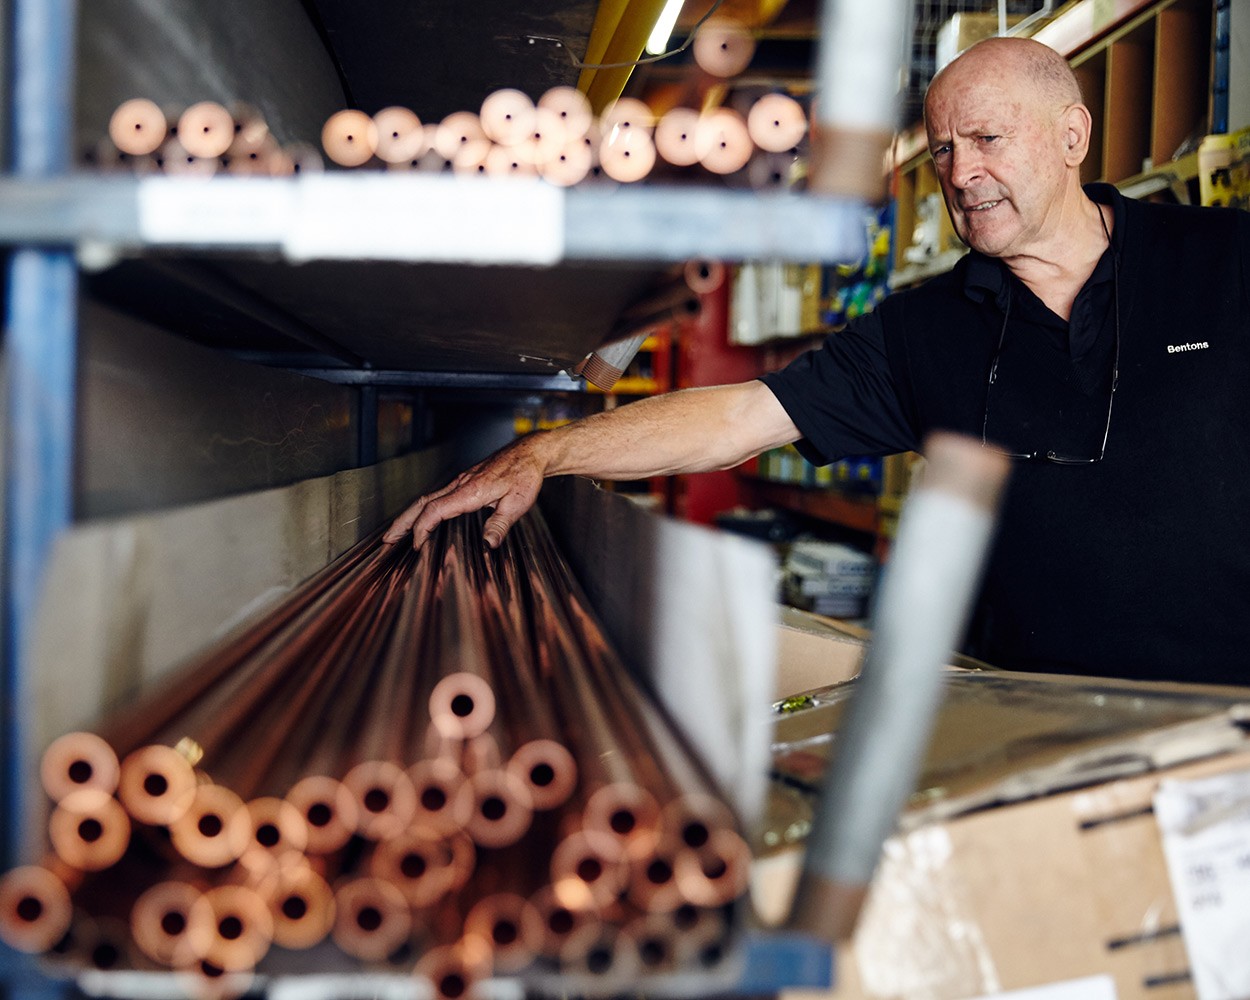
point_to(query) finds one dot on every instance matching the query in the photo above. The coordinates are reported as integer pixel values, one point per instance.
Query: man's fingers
(403, 524)
(507, 512)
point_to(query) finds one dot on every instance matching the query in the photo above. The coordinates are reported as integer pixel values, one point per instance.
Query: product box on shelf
(1089, 838)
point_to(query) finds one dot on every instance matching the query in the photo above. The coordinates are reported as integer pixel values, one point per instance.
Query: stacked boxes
(828, 578)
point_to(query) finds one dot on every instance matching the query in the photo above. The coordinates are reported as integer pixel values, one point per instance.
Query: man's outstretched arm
(692, 430)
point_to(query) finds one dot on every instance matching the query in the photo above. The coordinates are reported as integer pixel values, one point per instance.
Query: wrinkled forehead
(962, 100)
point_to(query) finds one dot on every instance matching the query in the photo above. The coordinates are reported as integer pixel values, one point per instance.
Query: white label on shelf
(1205, 825)
(1088, 988)
(422, 218)
(215, 211)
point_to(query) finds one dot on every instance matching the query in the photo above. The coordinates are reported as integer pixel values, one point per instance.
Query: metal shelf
(427, 218)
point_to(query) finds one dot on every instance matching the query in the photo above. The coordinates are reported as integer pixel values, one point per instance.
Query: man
(1101, 342)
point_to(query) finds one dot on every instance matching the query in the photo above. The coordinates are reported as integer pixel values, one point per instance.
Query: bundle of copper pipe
(433, 759)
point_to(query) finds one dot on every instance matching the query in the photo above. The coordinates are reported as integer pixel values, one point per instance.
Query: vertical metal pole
(40, 340)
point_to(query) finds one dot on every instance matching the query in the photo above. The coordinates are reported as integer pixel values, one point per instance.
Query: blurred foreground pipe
(923, 607)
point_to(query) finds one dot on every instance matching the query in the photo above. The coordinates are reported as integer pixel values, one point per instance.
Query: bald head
(1043, 70)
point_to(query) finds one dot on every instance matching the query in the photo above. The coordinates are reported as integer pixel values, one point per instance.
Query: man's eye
(988, 138)
(940, 151)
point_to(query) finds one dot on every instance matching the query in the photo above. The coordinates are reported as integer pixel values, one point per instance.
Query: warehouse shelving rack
(56, 223)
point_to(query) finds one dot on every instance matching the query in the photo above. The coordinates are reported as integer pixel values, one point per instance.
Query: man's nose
(965, 166)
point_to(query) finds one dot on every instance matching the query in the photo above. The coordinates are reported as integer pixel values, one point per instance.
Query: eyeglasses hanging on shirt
(1044, 415)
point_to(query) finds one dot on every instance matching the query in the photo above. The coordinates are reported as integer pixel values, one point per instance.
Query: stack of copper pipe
(432, 759)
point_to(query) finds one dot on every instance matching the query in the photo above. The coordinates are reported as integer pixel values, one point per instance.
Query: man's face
(998, 149)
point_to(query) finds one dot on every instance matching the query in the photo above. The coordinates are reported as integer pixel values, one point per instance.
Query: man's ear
(1077, 125)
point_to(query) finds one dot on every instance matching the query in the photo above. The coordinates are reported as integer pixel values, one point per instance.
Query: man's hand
(508, 481)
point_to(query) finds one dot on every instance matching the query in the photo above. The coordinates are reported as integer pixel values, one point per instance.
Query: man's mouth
(984, 206)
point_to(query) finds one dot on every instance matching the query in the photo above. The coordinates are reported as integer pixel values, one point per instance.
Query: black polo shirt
(1137, 565)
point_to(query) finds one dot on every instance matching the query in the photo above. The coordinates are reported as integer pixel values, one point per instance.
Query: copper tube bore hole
(369, 918)
(156, 785)
(105, 956)
(210, 825)
(599, 960)
(653, 951)
(462, 705)
(29, 909)
(319, 814)
(80, 772)
(589, 869)
(267, 835)
(294, 907)
(452, 985)
(412, 865)
(542, 775)
(90, 830)
(715, 868)
(231, 928)
(685, 917)
(433, 799)
(173, 923)
(711, 955)
(560, 921)
(211, 971)
(376, 800)
(493, 808)
(504, 932)
(622, 821)
(695, 834)
(659, 872)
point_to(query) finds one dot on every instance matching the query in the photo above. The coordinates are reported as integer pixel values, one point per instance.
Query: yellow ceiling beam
(632, 22)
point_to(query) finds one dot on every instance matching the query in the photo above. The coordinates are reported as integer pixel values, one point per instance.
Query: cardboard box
(964, 30)
(1031, 853)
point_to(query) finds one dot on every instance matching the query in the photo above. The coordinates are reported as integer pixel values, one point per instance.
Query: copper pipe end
(156, 785)
(701, 933)
(301, 904)
(509, 161)
(675, 137)
(455, 131)
(462, 705)
(105, 945)
(215, 830)
(548, 136)
(385, 798)
(653, 884)
(627, 114)
(723, 48)
(138, 127)
(463, 859)
(454, 970)
(703, 276)
(172, 924)
(372, 920)
(547, 770)
(572, 107)
(588, 869)
(511, 928)
(329, 811)
(78, 760)
(658, 941)
(502, 810)
(718, 872)
(89, 830)
(304, 158)
(35, 909)
(469, 159)
(243, 928)
(691, 819)
(723, 141)
(444, 798)
(206, 130)
(612, 960)
(567, 914)
(626, 813)
(277, 828)
(401, 136)
(420, 864)
(349, 138)
(627, 155)
(507, 116)
(175, 159)
(570, 164)
(777, 123)
(202, 980)
(773, 171)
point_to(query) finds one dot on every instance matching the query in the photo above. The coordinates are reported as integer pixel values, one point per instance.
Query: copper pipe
(723, 142)
(507, 116)
(401, 136)
(385, 798)
(444, 798)
(509, 161)
(175, 159)
(703, 276)
(723, 48)
(658, 941)
(215, 829)
(302, 905)
(502, 809)
(305, 158)
(777, 123)
(423, 866)
(104, 944)
(774, 171)
(349, 138)
(470, 158)
(570, 164)
(510, 926)
(203, 980)
(78, 760)
(453, 970)
(89, 830)
(675, 136)
(717, 873)
(548, 136)
(653, 882)
(372, 920)
(329, 810)
(172, 923)
(568, 916)
(627, 155)
(276, 827)
(138, 127)
(243, 928)
(456, 131)
(625, 115)
(156, 784)
(35, 908)
(587, 870)
(572, 107)
(206, 130)
(611, 960)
